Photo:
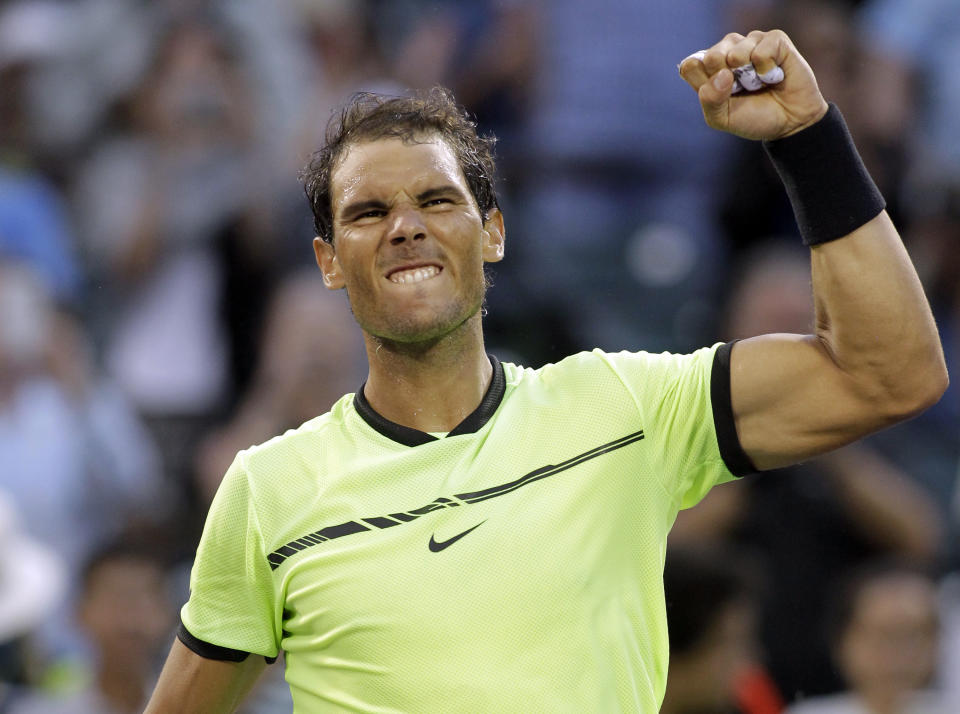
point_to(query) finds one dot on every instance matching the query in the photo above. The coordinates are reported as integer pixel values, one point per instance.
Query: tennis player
(467, 535)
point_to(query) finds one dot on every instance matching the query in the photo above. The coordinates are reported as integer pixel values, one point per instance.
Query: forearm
(873, 319)
(875, 357)
(190, 684)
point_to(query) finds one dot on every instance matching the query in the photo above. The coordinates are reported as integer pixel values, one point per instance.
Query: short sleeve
(232, 602)
(673, 393)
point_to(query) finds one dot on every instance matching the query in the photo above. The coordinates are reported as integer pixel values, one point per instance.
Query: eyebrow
(353, 209)
(439, 191)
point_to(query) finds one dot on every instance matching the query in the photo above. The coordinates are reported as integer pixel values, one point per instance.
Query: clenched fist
(774, 112)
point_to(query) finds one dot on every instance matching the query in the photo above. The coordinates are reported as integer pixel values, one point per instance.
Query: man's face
(890, 645)
(409, 242)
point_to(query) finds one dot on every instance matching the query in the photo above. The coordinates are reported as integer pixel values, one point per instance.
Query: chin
(409, 330)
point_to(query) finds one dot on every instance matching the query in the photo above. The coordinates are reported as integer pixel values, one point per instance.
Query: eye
(371, 214)
(436, 202)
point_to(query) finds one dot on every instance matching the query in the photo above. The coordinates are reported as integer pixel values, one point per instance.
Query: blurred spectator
(77, 463)
(156, 206)
(711, 620)
(309, 357)
(949, 679)
(78, 57)
(915, 44)
(125, 609)
(33, 583)
(33, 220)
(33, 33)
(807, 524)
(34, 229)
(484, 50)
(886, 631)
(345, 58)
(616, 245)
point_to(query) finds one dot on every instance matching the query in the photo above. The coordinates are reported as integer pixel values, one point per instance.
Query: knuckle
(732, 37)
(740, 54)
(713, 58)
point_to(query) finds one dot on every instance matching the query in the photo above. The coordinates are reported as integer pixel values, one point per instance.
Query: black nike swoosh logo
(437, 547)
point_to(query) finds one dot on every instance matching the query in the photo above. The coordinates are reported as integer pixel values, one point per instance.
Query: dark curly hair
(419, 117)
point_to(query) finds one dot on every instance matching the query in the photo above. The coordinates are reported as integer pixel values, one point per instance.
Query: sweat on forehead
(392, 164)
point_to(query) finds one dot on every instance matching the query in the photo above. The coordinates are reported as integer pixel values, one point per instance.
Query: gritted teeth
(414, 275)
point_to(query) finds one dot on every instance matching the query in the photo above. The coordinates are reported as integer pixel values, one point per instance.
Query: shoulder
(284, 463)
(646, 371)
(600, 364)
(593, 362)
(611, 382)
(321, 432)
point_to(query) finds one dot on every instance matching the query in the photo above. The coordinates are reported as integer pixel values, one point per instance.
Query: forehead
(386, 166)
(897, 597)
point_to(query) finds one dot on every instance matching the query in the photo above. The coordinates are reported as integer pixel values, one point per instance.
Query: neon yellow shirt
(514, 565)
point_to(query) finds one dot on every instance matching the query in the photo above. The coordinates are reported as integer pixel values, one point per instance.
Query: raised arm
(875, 357)
(191, 684)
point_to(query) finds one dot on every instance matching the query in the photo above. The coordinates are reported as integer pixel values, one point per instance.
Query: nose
(405, 224)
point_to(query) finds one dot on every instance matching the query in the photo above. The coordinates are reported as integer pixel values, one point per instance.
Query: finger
(715, 98)
(770, 51)
(740, 53)
(693, 71)
(715, 58)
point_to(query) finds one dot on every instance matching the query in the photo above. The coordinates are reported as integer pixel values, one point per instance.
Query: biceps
(192, 684)
(791, 401)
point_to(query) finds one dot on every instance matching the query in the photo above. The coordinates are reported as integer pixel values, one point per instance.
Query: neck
(429, 386)
(123, 686)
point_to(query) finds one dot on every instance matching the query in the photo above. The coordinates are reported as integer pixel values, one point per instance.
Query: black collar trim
(414, 437)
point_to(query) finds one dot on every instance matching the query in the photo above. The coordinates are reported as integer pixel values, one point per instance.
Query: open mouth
(414, 275)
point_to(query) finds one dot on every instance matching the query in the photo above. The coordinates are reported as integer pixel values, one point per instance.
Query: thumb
(715, 96)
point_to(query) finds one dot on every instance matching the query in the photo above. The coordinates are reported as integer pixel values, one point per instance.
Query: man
(123, 607)
(886, 629)
(466, 535)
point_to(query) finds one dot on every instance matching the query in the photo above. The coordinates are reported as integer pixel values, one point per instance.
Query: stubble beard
(408, 334)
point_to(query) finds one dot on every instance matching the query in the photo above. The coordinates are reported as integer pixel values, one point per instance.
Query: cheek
(352, 260)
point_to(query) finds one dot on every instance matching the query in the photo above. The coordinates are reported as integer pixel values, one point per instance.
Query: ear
(329, 265)
(493, 237)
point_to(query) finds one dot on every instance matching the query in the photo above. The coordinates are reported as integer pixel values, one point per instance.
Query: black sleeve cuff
(731, 451)
(211, 651)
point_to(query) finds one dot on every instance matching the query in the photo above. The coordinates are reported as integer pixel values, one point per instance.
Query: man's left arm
(875, 357)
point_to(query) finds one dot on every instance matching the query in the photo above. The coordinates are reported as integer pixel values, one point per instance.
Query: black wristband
(830, 189)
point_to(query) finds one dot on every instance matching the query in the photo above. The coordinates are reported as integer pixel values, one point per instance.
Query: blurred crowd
(159, 309)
